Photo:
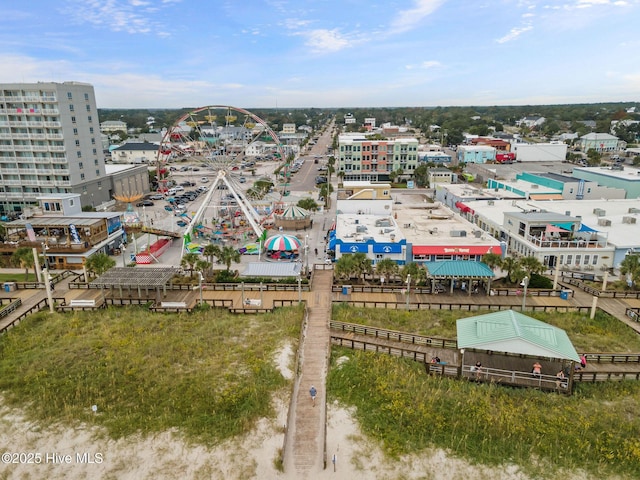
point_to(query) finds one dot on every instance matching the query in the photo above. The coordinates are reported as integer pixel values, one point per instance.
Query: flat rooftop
(629, 173)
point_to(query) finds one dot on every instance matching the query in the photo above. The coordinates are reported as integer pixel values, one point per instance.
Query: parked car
(181, 223)
(157, 196)
(145, 203)
(321, 180)
(204, 179)
(242, 180)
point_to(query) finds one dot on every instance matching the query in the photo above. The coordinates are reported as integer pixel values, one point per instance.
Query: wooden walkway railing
(393, 335)
(460, 306)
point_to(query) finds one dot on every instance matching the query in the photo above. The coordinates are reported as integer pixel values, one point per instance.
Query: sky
(327, 53)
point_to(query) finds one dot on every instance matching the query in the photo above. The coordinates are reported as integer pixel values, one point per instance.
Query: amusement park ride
(225, 140)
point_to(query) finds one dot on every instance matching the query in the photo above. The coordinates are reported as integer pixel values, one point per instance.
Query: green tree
(99, 263)
(511, 265)
(630, 268)
(531, 266)
(492, 260)
(210, 251)
(325, 192)
(361, 265)
(388, 269)
(308, 203)
(345, 267)
(229, 255)
(593, 157)
(23, 258)
(189, 261)
(421, 175)
(203, 267)
(418, 273)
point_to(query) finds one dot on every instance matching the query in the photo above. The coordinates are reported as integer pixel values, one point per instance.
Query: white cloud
(130, 16)
(411, 18)
(514, 33)
(325, 41)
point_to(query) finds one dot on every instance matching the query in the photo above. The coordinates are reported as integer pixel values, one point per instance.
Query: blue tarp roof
(585, 228)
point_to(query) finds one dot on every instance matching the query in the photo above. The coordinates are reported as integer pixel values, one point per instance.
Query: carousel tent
(282, 247)
(293, 218)
(282, 243)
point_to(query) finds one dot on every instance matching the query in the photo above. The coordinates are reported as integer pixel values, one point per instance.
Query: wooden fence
(400, 290)
(10, 308)
(470, 307)
(393, 335)
(600, 293)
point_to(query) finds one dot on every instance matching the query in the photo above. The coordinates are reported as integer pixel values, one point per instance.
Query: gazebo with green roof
(464, 270)
(521, 340)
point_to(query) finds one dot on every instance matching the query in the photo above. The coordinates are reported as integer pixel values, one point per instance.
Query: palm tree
(228, 255)
(23, 257)
(418, 273)
(630, 267)
(387, 268)
(210, 251)
(531, 265)
(98, 263)
(492, 260)
(189, 261)
(512, 267)
(345, 267)
(202, 266)
(361, 264)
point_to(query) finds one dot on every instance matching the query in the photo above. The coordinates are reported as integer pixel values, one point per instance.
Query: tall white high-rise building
(49, 143)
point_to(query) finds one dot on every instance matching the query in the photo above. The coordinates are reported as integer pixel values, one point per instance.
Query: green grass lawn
(209, 374)
(18, 277)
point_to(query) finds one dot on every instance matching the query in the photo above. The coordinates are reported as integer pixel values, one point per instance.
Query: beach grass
(210, 375)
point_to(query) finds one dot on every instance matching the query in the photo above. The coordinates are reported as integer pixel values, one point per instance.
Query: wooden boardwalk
(305, 450)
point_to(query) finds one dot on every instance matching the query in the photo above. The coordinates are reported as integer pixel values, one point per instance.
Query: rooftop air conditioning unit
(477, 233)
(491, 202)
(458, 233)
(598, 212)
(630, 220)
(604, 222)
(634, 210)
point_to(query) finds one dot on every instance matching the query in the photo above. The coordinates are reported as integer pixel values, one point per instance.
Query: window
(91, 130)
(73, 119)
(69, 96)
(80, 165)
(569, 259)
(95, 161)
(594, 260)
(77, 143)
(95, 152)
(79, 154)
(578, 257)
(75, 131)
(586, 260)
(93, 141)
(86, 97)
(89, 119)
(88, 108)
(82, 176)
(99, 184)
(71, 109)
(97, 172)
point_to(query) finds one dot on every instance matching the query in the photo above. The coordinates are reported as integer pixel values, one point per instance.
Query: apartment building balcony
(567, 242)
(55, 148)
(54, 136)
(62, 183)
(52, 124)
(8, 171)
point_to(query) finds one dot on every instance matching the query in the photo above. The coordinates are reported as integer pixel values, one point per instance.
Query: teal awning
(458, 269)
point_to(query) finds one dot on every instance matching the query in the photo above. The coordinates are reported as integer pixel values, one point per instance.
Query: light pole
(44, 255)
(306, 253)
(299, 289)
(408, 287)
(242, 286)
(525, 284)
(47, 286)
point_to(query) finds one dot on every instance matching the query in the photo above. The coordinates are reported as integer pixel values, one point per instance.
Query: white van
(171, 191)
(179, 188)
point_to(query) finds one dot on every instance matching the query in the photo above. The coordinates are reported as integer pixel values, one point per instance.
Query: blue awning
(354, 248)
(332, 244)
(585, 228)
(387, 248)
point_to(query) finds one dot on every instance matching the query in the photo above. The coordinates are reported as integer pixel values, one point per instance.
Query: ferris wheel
(226, 143)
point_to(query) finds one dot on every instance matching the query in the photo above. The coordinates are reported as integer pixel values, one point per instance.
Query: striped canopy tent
(293, 218)
(282, 248)
(282, 243)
